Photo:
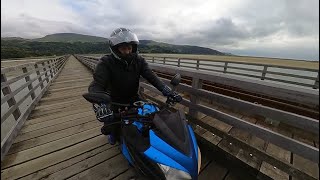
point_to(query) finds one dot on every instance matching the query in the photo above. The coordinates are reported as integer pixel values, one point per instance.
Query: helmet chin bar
(119, 56)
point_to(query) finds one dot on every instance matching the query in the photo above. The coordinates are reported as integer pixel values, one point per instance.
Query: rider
(118, 75)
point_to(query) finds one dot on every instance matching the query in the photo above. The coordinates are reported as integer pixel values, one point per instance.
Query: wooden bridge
(246, 128)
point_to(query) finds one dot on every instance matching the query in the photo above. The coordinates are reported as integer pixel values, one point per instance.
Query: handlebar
(131, 117)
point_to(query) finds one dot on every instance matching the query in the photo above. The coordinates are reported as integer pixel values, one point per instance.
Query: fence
(22, 87)
(306, 77)
(305, 123)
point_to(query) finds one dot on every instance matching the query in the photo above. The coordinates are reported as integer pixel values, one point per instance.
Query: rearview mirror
(175, 80)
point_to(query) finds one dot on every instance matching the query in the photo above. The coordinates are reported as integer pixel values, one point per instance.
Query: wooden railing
(196, 92)
(22, 87)
(308, 77)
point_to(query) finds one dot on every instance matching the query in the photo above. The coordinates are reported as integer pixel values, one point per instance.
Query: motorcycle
(156, 141)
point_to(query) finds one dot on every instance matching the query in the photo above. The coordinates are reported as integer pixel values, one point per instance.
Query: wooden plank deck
(62, 139)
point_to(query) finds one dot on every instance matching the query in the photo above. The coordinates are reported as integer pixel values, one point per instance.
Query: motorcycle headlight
(172, 173)
(199, 160)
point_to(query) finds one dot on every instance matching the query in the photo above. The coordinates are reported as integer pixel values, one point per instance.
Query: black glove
(103, 112)
(173, 96)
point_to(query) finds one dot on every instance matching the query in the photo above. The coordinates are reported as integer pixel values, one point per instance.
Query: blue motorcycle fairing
(147, 108)
(139, 125)
(125, 152)
(194, 140)
(159, 148)
(161, 152)
(161, 158)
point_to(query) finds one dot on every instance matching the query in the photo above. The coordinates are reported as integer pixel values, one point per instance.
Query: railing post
(164, 60)
(38, 73)
(50, 67)
(179, 61)
(44, 70)
(316, 82)
(11, 102)
(198, 64)
(56, 66)
(225, 67)
(53, 66)
(196, 84)
(152, 59)
(141, 92)
(30, 86)
(264, 72)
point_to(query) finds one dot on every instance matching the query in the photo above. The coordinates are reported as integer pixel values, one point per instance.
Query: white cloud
(248, 26)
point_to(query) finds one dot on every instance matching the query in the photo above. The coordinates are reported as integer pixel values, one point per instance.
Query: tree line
(25, 48)
(21, 49)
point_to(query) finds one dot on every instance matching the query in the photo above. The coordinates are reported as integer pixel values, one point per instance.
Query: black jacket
(121, 79)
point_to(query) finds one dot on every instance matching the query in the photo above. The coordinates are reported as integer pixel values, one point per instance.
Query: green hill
(71, 43)
(13, 38)
(149, 46)
(70, 37)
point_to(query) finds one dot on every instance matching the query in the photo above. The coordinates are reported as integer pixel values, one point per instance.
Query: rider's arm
(101, 79)
(150, 76)
(100, 84)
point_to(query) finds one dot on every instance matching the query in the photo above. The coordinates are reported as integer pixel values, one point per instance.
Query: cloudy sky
(268, 28)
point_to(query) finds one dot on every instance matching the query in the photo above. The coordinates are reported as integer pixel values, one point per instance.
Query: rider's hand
(103, 112)
(172, 95)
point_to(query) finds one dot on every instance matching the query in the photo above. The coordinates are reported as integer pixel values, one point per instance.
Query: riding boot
(109, 132)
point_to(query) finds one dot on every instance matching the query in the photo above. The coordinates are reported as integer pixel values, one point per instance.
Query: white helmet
(120, 36)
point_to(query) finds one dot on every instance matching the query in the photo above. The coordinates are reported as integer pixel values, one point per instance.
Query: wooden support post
(196, 84)
(44, 70)
(164, 60)
(51, 68)
(225, 67)
(141, 92)
(179, 61)
(30, 86)
(11, 102)
(56, 65)
(264, 72)
(40, 78)
(152, 59)
(316, 82)
(198, 64)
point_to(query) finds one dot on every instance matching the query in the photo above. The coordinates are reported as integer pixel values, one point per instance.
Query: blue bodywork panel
(147, 109)
(194, 141)
(125, 152)
(161, 152)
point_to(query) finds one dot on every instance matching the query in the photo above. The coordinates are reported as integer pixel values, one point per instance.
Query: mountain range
(72, 43)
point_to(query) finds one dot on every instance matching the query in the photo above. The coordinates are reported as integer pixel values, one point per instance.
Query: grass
(247, 59)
